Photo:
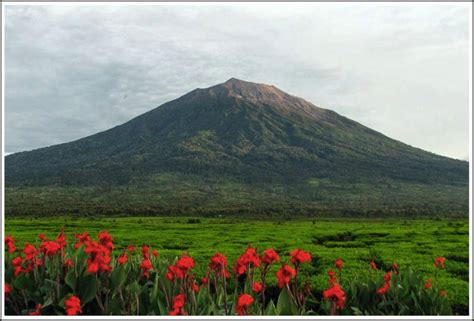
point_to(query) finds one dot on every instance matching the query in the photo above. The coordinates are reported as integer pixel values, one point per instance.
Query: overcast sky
(72, 71)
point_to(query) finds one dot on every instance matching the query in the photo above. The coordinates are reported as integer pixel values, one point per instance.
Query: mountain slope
(256, 138)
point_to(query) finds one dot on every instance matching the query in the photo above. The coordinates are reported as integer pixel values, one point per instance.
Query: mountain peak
(249, 90)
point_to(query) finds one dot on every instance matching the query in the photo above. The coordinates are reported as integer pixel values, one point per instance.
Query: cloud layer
(71, 71)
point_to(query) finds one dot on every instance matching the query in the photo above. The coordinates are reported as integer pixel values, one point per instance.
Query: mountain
(237, 147)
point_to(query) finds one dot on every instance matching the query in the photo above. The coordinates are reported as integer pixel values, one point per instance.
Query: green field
(411, 243)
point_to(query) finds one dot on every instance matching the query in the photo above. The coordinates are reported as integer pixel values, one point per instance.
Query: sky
(401, 69)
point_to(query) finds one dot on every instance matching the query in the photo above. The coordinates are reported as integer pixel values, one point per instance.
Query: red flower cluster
(30, 252)
(247, 260)
(395, 268)
(270, 256)
(68, 263)
(257, 287)
(179, 270)
(299, 256)
(219, 265)
(105, 239)
(50, 247)
(123, 258)
(439, 262)
(10, 243)
(61, 239)
(285, 274)
(146, 251)
(386, 285)
(336, 295)
(146, 267)
(178, 305)
(99, 257)
(72, 305)
(428, 283)
(81, 239)
(17, 265)
(338, 263)
(243, 303)
(372, 265)
(7, 289)
(332, 277)
(37, 310)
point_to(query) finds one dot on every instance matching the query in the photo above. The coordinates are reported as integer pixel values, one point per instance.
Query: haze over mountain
(236, 147)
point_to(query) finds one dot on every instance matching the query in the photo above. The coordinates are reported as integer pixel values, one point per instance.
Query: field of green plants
(412, 244)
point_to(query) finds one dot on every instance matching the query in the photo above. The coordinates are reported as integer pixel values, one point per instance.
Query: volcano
(237, 147)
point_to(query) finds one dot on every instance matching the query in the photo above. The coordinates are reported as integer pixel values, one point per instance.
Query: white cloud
(401, 69)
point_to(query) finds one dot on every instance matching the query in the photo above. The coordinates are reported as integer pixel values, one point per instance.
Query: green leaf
(286, 305)
(87, 288)
(270, 310)
(118, 278)
(70, 280)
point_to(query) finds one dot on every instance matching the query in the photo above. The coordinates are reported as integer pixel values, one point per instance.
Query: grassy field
(411, 243)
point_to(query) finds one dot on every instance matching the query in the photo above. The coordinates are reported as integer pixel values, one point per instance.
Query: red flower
(178, 305)
(68, 263)
(123, 258)
(177, 312)
(179, 270)
(72, 305)
(17, 264)
(395, 267)
(386, 286)
(248, 259)
(99, 257)
(270, 256)
(179, 301)
(81, 239)
(239, 267)
(145, 251)
(219, 265)
(131, 248)
(30, 252)
(37, 310)
(204, 280)
(7, 289)
(443, 293)
(10, 243)
(105, 239)
(257, 287)
(336, 295)
(174, 271)
(155, 253)
(146, 267)
(299, 256)
(50, 247)
(372, 265)
(285, 274)
(243, 302)
(383, 289)
(439, 262)
(61, 239)
(338, 263)
(332, 277)
(428, 284)
(185, 263)
(195, 287)
(42, 237)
